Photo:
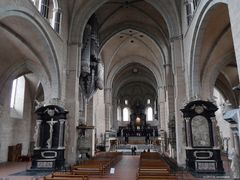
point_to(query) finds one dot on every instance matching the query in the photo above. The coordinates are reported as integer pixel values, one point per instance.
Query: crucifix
(51, 124)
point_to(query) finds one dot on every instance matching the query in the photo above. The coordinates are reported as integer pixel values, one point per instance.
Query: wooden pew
(98, 165)
(89, 169)
(161, 177)
(152, 166)
(65, 176)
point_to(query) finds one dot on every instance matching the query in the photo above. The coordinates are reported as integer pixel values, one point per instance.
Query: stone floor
(126, 169)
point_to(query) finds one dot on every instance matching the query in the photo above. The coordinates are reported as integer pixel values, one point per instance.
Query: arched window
(17, 97)
(149, 113)
(148, 101)
(119, 117)
(57, 16)
(44, 8)
(125, 114)
(49, 9)
(189, 11)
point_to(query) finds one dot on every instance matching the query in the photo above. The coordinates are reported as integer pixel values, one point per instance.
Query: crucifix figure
(51, 124)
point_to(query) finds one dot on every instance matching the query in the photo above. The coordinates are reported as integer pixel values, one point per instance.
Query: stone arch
(211, 73)
(26, 67)
(45, 56)
(194, 71)
(159, 76)
(130, 80)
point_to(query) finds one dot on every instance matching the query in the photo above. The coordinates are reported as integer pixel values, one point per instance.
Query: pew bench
(65, 176)
(161, 177)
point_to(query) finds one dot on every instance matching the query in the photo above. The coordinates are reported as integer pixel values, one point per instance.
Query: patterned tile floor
(126, 169)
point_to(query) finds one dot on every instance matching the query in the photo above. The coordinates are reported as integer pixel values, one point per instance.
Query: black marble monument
(49, 138)
(202, 151)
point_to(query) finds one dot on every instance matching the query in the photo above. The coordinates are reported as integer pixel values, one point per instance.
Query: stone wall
(16, 130)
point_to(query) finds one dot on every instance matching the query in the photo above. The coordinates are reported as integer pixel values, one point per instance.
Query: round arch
(195, 72)
(27, 66)
(159, 76)
(45, 56)
(211, 73)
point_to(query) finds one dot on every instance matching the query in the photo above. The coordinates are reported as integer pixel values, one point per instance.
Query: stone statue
(235, 164)
(121, 132)
(35, 136)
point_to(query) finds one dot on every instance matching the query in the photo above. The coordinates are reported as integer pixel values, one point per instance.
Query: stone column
(90, 132)
(161, 107)
(108, 109)
(37, 134)
(72, 103)
(170, 94)
(180, 97)
(61, 134)
(214, 124)
(114, 115)
(163, 143)
(234, 14)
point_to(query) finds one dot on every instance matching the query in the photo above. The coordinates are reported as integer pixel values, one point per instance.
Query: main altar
(138, 131)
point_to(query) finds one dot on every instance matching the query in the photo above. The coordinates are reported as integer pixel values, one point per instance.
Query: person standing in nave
(134, 150)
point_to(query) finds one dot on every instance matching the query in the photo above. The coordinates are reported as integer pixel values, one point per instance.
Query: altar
(136, 140)
(137, 130)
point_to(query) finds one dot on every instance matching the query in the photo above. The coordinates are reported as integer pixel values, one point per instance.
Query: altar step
(137, 140)
(126, 148)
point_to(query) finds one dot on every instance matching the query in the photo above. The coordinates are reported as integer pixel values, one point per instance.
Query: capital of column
(187, 119)
(62, 121)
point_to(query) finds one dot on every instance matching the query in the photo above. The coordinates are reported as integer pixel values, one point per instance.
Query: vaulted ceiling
(133, 34)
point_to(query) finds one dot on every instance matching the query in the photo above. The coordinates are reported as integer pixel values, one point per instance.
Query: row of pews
(97, 166)
(152, 166)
